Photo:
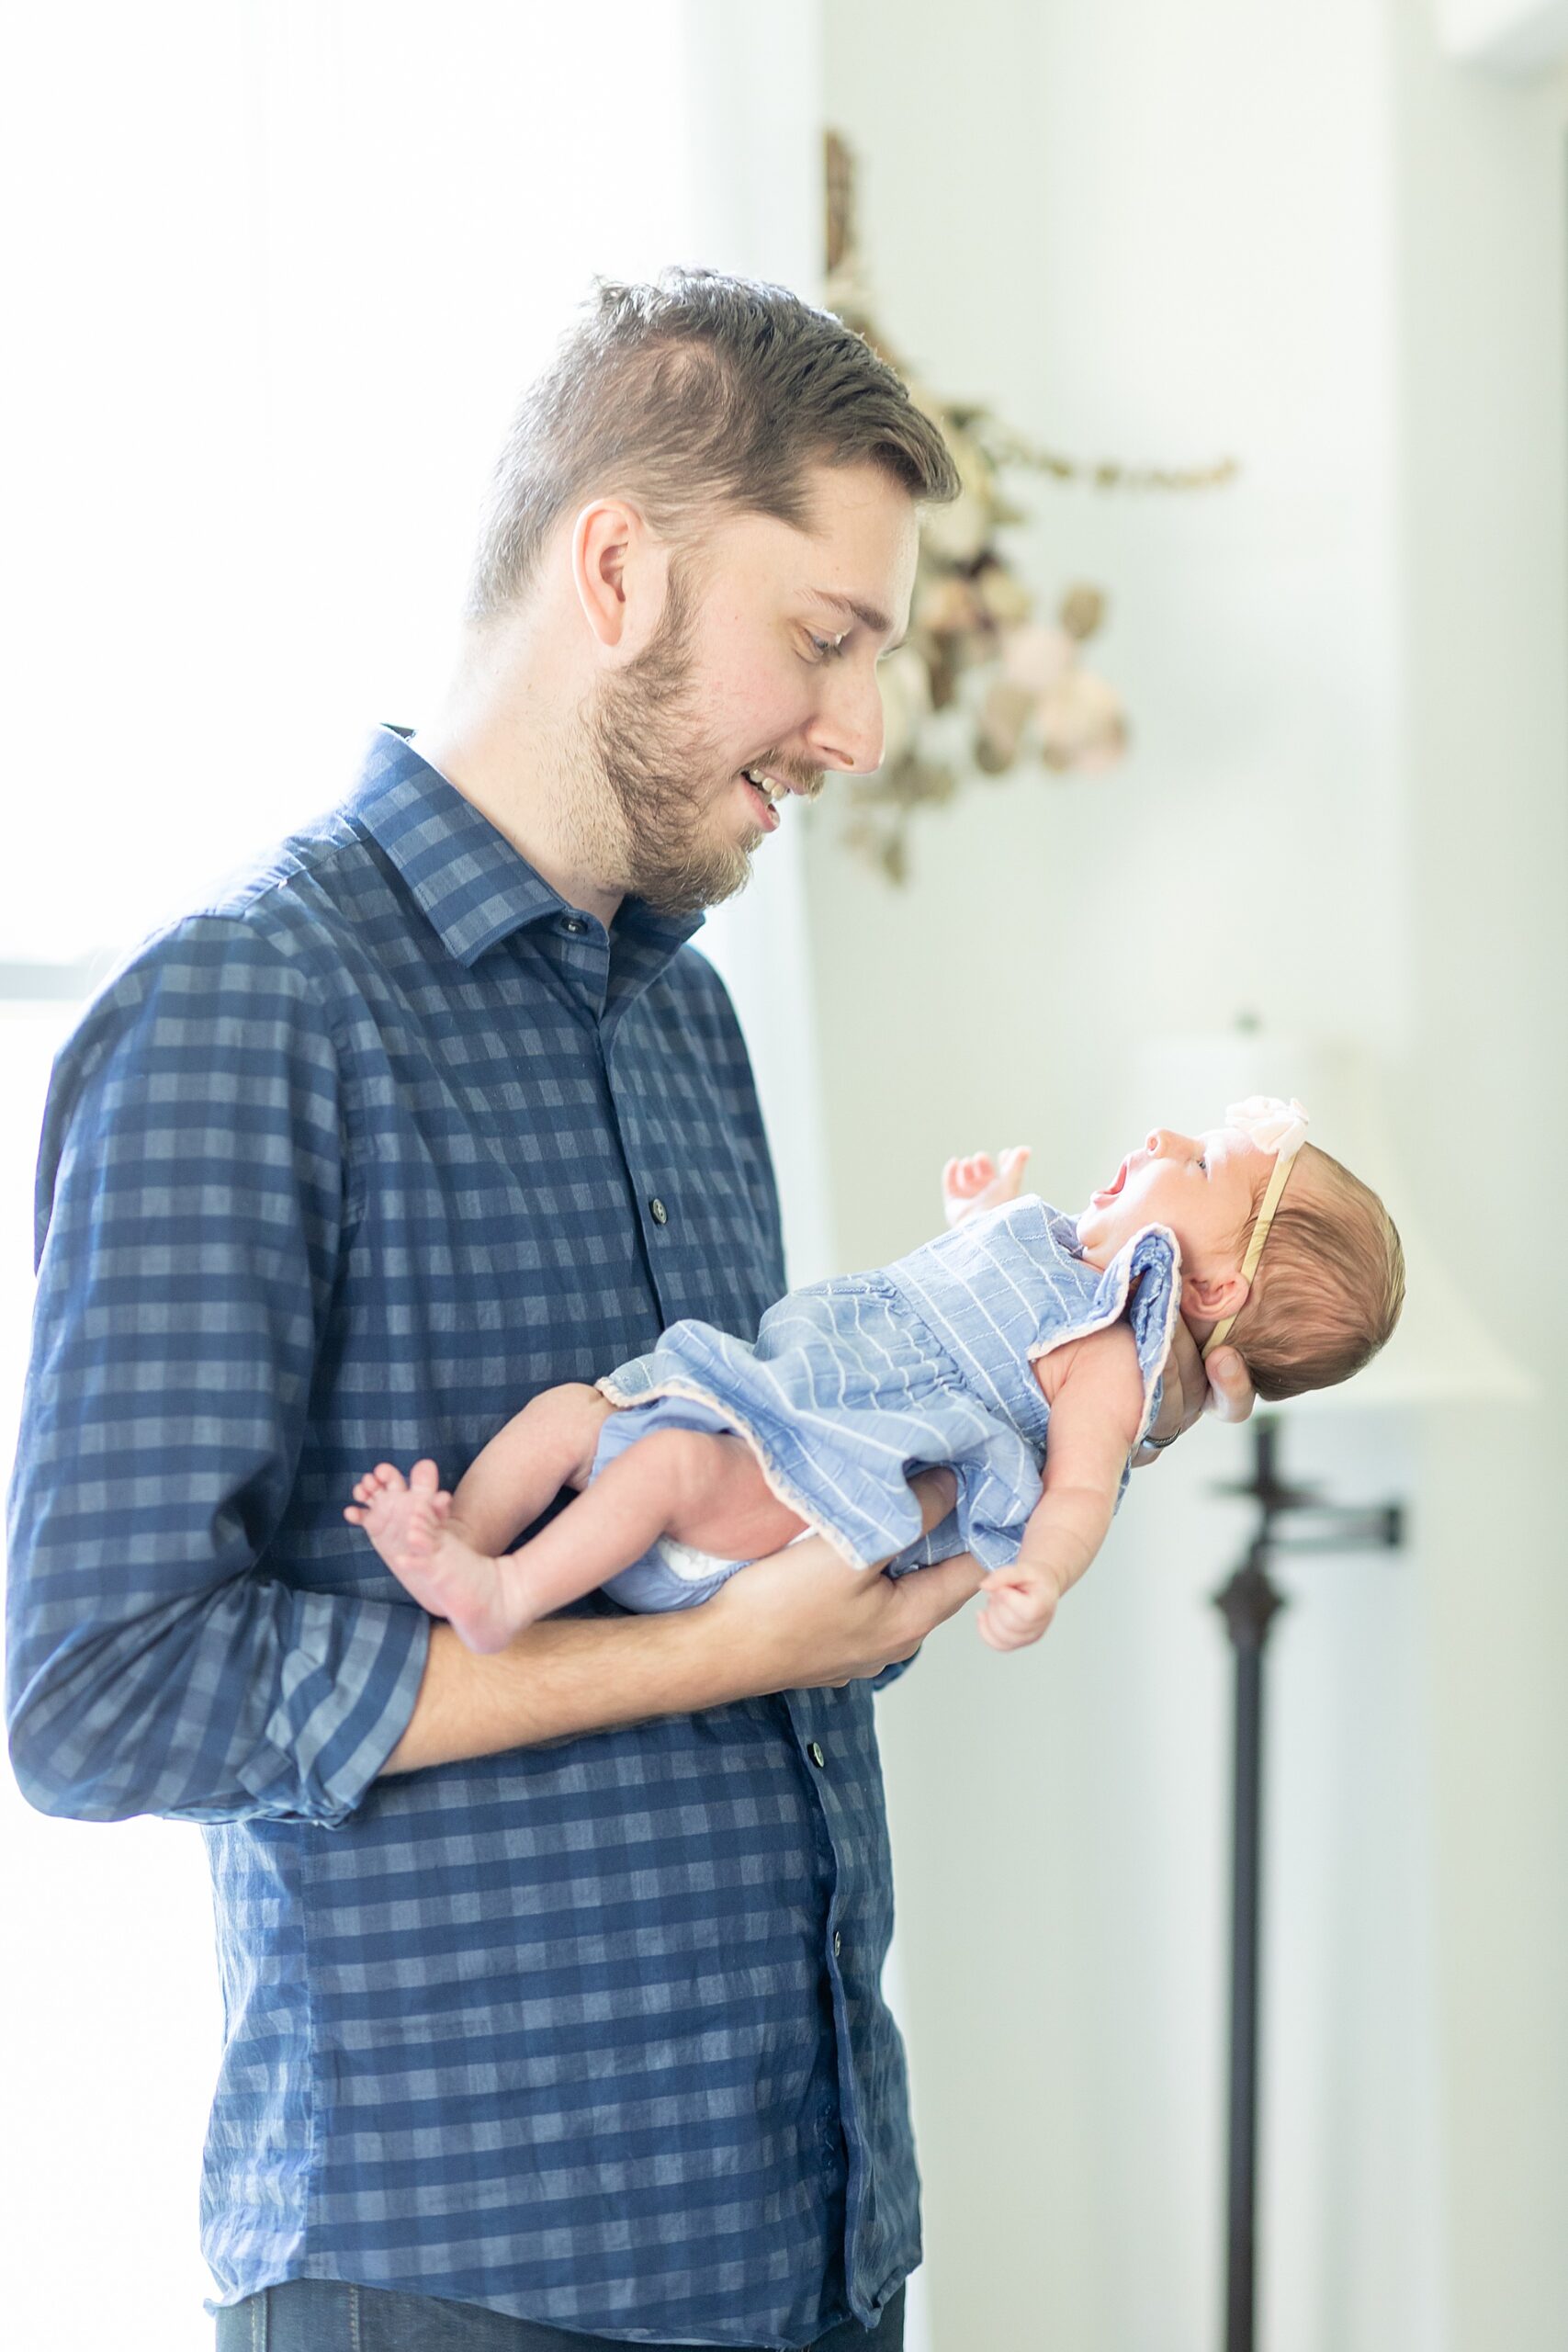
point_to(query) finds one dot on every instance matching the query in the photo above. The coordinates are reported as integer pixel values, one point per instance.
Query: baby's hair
(1329, 1284)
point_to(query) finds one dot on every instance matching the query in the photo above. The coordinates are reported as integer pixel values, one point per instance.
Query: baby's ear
(1214, 1296)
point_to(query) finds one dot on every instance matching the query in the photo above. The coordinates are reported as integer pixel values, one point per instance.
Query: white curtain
(283, 267)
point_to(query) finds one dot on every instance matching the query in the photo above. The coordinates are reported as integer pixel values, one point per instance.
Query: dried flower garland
(980, 683)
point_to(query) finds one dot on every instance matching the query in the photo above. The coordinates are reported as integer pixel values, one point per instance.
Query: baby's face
(1204, 1187)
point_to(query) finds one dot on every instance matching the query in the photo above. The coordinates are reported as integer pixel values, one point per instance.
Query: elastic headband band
(1271, 1124)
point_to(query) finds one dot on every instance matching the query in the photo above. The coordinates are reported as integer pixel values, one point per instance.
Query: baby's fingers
(1012, 1614)
(999, 1631)
(1005, 1586)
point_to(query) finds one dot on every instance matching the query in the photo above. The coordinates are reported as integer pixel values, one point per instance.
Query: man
(551, 1978)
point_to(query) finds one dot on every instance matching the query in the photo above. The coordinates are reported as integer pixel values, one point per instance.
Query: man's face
(765, 659)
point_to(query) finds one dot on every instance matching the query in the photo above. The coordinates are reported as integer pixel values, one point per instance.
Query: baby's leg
(548, 1445)
(706, 1490)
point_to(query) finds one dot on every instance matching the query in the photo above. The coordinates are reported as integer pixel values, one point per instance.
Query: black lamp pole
(1250, 1602)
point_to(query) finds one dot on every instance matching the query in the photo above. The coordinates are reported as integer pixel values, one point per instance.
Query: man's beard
(646, 745)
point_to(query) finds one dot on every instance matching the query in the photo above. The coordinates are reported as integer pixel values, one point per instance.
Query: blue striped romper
(853, 1384)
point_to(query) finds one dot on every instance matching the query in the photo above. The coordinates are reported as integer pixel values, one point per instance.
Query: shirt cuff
(345, 1703)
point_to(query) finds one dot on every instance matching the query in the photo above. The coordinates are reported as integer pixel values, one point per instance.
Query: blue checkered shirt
(350, 1163)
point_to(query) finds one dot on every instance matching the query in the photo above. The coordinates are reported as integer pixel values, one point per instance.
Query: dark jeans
(324, 2315)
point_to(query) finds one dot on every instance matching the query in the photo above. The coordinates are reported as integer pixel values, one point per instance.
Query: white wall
(1482, 339)
(1296, 236)
(1506, 36)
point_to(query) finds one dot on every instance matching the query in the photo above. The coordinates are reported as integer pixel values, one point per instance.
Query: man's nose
(849, 730)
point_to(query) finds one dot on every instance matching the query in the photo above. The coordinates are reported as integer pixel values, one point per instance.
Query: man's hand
(980, 1182)
(1222, 1386)
(803, 1618)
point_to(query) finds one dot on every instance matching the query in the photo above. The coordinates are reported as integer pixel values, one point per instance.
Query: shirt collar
(474, 887)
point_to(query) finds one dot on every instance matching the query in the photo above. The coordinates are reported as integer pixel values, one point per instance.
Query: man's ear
(1213, 1297)
(611, 552)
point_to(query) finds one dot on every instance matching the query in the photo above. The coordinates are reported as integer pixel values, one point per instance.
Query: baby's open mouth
(1112, 1190)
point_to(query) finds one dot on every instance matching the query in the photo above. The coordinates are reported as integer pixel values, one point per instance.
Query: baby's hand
(1016, 1607)
(970, 1185)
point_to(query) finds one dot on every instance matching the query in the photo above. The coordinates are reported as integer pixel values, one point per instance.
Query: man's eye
(825, 645)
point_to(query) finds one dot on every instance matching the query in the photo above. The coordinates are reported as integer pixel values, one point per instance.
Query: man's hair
(1329, 1285)
(696, 396)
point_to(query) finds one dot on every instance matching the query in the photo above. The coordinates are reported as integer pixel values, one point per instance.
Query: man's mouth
(770, 794)
(1099, 1198)
(764, 791)
(767, 793)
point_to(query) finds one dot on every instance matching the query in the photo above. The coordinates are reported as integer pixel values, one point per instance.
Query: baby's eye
(1204, 1163)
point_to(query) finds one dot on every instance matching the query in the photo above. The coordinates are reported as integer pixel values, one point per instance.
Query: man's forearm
(562, 1677)
(796, 1621)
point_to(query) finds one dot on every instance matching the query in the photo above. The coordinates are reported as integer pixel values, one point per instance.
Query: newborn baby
(1023, 1348)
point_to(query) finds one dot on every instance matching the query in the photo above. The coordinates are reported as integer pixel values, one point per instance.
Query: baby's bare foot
(398, 1514)
(409, 1522)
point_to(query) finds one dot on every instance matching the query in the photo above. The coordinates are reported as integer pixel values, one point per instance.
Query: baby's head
(1325, 1291)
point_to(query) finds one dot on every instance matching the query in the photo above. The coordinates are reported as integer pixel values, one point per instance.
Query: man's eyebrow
(867, 615)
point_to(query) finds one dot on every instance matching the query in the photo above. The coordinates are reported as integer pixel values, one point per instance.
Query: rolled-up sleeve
(194, 1184)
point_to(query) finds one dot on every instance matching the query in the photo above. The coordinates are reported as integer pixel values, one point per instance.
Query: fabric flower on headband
(1269, 1123)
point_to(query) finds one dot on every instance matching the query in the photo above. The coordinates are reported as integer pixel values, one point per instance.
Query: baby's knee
(682, 1462)
(571, 1403)
(566, 1417)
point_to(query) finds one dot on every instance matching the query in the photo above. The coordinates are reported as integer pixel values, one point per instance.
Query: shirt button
(574, 923)
(815, 1755)
(658, 1211)
(838, 1943)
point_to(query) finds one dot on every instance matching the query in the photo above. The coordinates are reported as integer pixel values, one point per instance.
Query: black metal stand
(1251, 1602)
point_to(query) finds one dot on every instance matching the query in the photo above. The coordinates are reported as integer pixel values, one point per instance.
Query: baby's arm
(1095, 1392)
(970, 1185)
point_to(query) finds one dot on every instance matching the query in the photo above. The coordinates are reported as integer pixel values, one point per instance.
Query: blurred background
(274, 274)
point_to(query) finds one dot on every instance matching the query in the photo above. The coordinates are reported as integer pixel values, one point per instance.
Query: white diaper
(691, 1567)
